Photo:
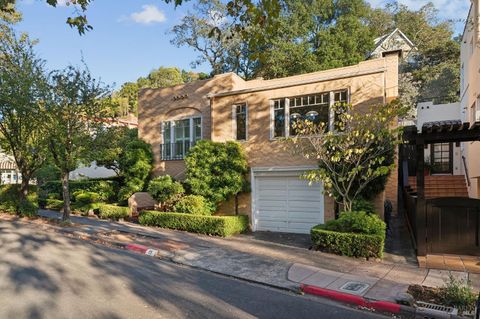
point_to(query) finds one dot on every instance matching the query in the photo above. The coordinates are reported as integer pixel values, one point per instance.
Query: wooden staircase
(442, 186)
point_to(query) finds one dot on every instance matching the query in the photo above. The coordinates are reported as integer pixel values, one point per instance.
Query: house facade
(392, 42)
(470, 92)
(258, 114)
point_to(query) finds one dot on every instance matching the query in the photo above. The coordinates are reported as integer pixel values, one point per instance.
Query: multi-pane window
(314, 108)
(441, 158)
(241, 122)
(179, 136)
(279, 118)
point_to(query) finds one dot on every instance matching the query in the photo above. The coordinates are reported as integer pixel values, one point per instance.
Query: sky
(131, 37)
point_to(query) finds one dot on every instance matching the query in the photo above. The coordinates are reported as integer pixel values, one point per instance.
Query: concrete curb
(383, 306)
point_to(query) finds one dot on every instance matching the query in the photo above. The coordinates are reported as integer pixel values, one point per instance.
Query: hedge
(347, 244)
(210, 225)
(113, 212)
(10, 200)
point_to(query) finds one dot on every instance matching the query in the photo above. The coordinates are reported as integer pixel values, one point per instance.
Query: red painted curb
(138, 248)
(351, 299)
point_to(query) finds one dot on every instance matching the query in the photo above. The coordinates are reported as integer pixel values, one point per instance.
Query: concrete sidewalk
(269, 263)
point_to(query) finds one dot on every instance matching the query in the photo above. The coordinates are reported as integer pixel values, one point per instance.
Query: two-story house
(258, 113)
(470, 92)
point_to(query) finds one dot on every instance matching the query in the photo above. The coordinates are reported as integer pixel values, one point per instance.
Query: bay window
(179, 136)
(314, 107)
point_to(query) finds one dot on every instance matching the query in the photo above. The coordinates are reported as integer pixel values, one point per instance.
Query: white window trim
(331, 113)
(191, 127)
(234, 121)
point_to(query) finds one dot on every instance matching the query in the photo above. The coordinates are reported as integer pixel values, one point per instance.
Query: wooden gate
(453, 225)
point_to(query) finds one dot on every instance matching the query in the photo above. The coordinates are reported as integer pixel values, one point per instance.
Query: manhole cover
(355, 287)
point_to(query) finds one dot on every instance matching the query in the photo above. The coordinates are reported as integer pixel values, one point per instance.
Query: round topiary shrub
(194, 204)
(165, 190)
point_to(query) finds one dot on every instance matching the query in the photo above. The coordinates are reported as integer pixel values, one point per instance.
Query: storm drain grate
(430, 310)
(355, 287)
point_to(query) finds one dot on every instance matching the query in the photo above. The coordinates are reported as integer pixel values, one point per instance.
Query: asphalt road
(46, 275)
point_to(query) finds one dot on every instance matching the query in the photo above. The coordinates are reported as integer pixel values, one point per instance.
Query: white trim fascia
(282, 168)
(253, 202)
(300, 82)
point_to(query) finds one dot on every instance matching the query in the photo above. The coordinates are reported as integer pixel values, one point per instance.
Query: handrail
(466, 170)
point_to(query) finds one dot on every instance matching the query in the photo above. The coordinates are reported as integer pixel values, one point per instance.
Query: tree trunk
(347, 205)
(24, 187)
(66, 197)
(236, 204)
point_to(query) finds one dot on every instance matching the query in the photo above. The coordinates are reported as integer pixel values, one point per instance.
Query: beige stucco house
(470, 92)
(256, 113)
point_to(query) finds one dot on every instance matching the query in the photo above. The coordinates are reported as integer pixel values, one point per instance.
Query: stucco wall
(470, 92)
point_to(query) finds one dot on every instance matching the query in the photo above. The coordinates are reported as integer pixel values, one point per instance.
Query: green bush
(215, 170)
(28, 208)
(363, 205)
(54, 204)
(210, 225)
(357, 222)
(113, 212)
(459, 294)
(10, 199)
(354, 234)
(82, 198)
(107, 189)
(193, 204)
(347, 244)
(165, 190)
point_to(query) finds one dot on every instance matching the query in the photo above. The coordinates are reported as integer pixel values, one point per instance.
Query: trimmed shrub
(363, 205)
(28, 208)
(194, 204)
(357, 222)
(113, 212)
(347, 244)
(165, 190)
(106, 189)
(209, 225)
(353, 234)
(54, 204)
(83, 198)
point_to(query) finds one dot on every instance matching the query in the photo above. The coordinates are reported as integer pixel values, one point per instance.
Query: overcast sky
(130, 37)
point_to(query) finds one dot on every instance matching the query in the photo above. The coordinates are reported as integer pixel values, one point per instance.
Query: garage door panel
(287, 204)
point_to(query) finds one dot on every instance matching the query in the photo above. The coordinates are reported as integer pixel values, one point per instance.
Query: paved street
(46, 275)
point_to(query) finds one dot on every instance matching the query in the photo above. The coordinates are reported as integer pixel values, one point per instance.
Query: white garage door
(287, 204)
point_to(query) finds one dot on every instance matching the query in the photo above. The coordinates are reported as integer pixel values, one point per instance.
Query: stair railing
(466, 170)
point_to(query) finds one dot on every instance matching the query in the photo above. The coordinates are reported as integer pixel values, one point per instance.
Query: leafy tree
(354, 157)
(110, 146)
(166, 191)
(135, 164)
(164, 77)
(215, 170)
(72, 124)
(23, 91)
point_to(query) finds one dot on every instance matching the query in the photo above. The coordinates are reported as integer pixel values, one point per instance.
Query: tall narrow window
(167, 140)
(340, 98)
(197, 129)
(241, 121)
(279, 118)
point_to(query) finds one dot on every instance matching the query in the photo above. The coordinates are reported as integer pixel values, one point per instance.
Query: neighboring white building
(9, 173)
(444, 158)
(394, 41)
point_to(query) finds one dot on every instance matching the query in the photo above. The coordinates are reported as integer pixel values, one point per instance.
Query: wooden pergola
(433, 132)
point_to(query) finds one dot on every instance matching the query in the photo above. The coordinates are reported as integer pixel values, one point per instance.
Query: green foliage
(210, 225)
(165, 190)
(363, 205)
(110, 146)
(83, 198)
(347, 244)
(54, 204)
(215, 170)
(193, 204)
(458, 293)
(113, 212)
(353, 234)
(11, 202)
(135, 165)
(106, 189)
(27, 208)
(351, 162)
(357, 222)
